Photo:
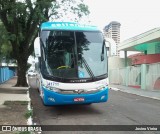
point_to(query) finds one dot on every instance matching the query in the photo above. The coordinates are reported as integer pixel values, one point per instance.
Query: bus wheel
(88, 103)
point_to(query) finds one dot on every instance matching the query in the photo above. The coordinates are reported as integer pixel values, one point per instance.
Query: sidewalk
(154, 94)
(10, 93)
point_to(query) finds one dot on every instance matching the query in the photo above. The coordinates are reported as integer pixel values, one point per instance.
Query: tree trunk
(22, 68)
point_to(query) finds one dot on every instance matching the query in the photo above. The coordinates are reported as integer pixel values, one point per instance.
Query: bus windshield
(73, 54)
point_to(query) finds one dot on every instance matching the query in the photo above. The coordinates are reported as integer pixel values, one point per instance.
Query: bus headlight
(52, 88)
(101, 87)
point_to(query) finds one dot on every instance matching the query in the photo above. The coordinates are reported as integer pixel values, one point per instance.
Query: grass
(25, 113)
(15, 103)
(24, 132)
(28, 114)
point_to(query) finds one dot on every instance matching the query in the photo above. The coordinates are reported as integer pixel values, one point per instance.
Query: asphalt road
(121, 109)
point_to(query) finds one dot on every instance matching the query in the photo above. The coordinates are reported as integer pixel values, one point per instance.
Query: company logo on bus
(79, 91)
(74, 81)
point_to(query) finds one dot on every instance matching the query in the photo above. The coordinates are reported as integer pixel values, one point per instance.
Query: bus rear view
(72, 64)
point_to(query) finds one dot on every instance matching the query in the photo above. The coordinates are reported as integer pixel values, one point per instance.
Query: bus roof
(67, 26)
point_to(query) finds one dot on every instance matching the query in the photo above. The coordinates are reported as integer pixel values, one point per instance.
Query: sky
(135, 16)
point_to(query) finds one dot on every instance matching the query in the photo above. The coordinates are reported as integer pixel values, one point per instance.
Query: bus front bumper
(54, 98)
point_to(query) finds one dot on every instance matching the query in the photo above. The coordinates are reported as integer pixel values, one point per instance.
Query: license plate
(78, 99)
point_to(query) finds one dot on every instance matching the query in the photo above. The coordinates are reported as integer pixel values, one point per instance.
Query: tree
(5, 46)
(21, 19)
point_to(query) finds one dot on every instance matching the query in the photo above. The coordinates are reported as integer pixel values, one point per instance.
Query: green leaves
(3, 41)
(21, 19)
(83, 9)
(72, 10)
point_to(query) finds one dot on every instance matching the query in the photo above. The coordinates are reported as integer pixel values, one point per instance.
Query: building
(145, 70)
(148, 43)
(112, 30)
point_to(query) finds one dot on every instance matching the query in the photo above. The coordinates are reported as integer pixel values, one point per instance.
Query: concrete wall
(144, 76)
(116, 62)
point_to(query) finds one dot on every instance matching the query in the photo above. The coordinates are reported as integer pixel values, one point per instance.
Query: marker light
(103, 97)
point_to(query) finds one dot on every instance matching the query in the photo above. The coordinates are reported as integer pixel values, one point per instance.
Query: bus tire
(88, 103)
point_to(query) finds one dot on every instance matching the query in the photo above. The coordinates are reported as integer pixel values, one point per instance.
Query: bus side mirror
(37, 49)
(102, 57)
(102, 54)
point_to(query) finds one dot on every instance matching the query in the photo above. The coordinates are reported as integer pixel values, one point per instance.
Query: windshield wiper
(87, 67)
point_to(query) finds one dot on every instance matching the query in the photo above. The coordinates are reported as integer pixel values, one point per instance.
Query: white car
(31, 73)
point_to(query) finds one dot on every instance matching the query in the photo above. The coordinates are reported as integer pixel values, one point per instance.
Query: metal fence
(6, 73)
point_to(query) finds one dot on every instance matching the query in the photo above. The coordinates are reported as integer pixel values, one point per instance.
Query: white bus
(72, 64)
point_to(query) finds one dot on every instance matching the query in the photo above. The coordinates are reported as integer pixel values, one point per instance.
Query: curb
(118, 89)
(14, 88)
(29, 120)
(10, 91)
(155, 98)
